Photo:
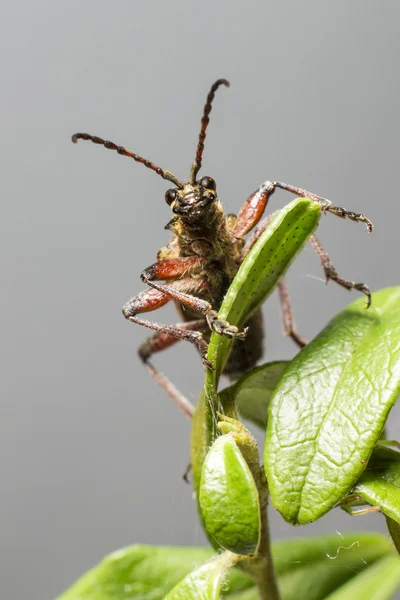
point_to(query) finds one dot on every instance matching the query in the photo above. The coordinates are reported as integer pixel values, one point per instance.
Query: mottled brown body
(203, 257)
(214, 240)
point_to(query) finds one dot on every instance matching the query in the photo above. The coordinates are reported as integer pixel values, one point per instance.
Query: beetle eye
(170, 196)
(208, 183)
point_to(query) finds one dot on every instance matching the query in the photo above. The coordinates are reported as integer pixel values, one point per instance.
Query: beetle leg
(161, 341)
(172, 268)
(223, 327)
(329, 269)
(161, 270)
(326, 204)
(287, 315)
(152, 299)
(358, 512)
(331, 273)
(253, 209)
(251, 212)
(256, 235)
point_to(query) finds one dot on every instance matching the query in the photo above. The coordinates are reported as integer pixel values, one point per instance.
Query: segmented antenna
(196, 166)
(124, 152)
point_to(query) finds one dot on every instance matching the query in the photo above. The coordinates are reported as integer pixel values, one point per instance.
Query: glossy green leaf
(253, 391)
(377, 583)
(145, 573)
(229, 499)
(204, 583)
(330, 407)
(149, 573)
(262, 269)
(379, 485)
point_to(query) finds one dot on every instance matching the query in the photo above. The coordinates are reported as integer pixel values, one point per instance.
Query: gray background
(91, 450)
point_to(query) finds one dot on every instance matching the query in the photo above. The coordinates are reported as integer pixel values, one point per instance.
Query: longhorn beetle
(201, 260)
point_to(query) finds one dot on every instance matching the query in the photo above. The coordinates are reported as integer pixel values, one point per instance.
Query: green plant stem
(261, 567)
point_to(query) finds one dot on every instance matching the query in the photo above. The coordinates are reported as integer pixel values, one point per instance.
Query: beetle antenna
(196, 166)
(124, 152)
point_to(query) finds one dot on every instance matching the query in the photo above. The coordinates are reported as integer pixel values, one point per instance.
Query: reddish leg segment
(325, 203)
(251, 212)
(166, 335)
(253, 209)
(287, 315)
(173, 268)
(162, 270)
(152, 299)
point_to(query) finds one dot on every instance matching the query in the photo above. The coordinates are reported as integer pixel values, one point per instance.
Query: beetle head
(193, 200)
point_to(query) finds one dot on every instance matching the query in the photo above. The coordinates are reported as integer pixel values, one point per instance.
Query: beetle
(202, 258)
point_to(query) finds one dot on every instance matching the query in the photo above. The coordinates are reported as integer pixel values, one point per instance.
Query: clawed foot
(331, 273)
(224, 328)
(361, 287)
(208, 364)
(338, 211)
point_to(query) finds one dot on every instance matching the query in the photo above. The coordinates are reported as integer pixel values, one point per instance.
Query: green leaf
(149, 573)
(317, 566)
(144, 573)
(250, 594)
(204, 583)
(377, 583)
(229, 499)
(290, 555)
(260, 272)
(253, 391)
(379, 485)
(330, 407)
(394, 530)
(312, 568)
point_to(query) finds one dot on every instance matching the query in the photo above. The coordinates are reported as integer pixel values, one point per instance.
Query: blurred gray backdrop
(91, 450)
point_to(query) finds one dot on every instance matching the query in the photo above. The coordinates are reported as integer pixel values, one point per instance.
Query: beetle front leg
(253, 209)
(161, 270)
(152, 299)
(326, 204)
